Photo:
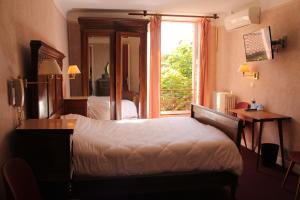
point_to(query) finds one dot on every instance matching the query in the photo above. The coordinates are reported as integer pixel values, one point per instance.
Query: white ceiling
(166, 6)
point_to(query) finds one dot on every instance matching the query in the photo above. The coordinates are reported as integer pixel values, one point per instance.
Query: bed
(109, 148)
(146, 156)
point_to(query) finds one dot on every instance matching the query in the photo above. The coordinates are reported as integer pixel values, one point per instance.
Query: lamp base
(72, 76)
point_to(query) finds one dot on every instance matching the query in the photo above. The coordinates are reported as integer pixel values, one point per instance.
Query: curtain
(154, 86)
(204, 26)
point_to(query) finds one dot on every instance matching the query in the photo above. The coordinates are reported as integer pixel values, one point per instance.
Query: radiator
(224, 101)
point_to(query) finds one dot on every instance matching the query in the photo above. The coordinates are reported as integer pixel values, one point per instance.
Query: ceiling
(166, 6)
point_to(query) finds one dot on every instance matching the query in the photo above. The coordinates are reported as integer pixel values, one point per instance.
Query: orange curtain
(154, 86)
(204, 26)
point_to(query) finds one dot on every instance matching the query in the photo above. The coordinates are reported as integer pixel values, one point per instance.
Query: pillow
(129, 110)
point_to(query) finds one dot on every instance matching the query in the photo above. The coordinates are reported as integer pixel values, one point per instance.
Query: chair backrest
(20, 180)
(242, 105)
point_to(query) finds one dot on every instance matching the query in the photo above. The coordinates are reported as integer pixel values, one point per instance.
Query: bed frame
(103, 188)
(43, 100)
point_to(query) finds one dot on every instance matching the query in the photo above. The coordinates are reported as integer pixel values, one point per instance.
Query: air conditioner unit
(242, 18)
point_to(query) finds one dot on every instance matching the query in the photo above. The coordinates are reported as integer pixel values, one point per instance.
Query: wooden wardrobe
(115, 29)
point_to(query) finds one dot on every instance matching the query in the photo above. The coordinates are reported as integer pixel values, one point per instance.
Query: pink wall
(20, 22)
(278, 87)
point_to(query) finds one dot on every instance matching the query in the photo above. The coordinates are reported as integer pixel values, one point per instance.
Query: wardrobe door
(130, 76)
(98, 72)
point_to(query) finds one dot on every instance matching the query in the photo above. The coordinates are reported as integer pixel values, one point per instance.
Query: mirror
(117, 30)
(130, 68)
(99, 77)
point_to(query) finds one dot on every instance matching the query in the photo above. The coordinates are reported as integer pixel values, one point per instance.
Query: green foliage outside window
(176, 79)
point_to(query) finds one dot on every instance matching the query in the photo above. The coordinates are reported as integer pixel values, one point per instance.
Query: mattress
(150, 146)
(99, 108)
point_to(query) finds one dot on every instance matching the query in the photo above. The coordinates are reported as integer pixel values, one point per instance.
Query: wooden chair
(20, 181)
(243, 105)
(295, 159)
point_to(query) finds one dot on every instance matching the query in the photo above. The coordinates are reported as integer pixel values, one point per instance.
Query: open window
(178, 67)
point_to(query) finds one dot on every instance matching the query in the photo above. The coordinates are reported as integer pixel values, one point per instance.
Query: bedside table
(75, 105)
(47, 147)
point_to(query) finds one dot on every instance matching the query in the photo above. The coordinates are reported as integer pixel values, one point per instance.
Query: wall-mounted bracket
(280, 43)
(254, 75)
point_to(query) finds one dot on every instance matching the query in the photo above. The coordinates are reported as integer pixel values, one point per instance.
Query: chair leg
(297, 190)
(244, 138)
(287, 173)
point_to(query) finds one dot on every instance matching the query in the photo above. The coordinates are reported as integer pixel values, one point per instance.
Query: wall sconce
(72, 71)
(244, 68)
(46, 67)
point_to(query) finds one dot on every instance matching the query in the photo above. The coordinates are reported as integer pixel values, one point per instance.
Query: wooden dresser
(102, 86)
(47, 147)
(76, 105)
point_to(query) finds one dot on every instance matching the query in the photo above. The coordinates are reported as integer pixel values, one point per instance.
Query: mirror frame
(85, 67)
(142, 73)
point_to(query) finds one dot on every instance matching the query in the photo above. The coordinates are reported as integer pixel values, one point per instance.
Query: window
(178, 50)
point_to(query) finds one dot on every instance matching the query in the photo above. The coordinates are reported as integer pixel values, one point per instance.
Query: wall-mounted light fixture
(72, 71)
(244, 68)
(46, 67)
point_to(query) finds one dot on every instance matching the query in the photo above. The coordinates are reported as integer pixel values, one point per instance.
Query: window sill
(175, 113)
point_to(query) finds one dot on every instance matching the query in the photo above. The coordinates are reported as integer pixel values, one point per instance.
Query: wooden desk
(262, 116)
(47, 147)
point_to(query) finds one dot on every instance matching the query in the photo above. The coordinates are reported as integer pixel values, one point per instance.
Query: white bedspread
(148, 146)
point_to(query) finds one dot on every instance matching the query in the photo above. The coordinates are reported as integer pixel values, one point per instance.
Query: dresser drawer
(48, 154)
(46, 145)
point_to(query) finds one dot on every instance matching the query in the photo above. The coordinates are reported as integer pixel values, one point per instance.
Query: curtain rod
(214, 16)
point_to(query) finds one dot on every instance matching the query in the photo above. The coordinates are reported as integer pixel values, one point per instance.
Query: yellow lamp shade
(244, 68)
(73, 69)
